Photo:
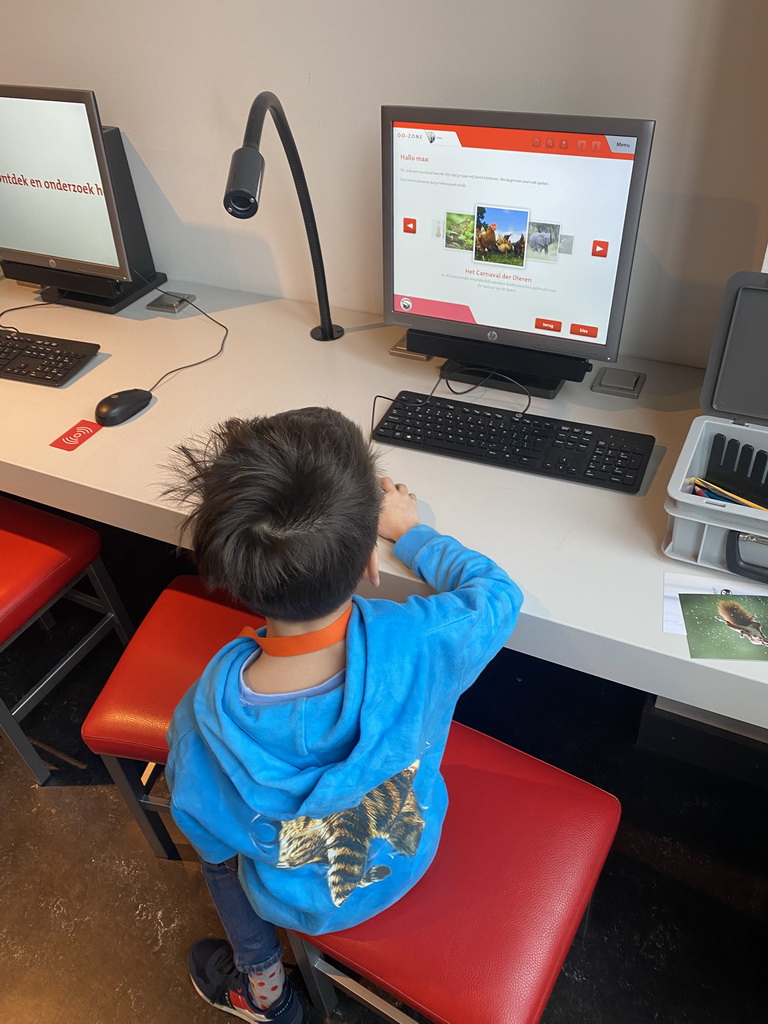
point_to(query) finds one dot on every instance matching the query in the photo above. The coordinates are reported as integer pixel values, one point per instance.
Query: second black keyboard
(36, 359)
(601, 456)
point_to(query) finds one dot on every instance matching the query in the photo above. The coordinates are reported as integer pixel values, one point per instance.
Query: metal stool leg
(105, 588)
(322, 979)
(46, 621)
(127, 777)
(10, 728)
(322, 993)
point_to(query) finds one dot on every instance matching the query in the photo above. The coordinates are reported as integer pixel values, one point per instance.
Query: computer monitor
(509, 238)
(69, 217)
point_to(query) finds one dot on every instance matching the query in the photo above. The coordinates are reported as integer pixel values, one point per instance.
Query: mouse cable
(199, 362)
(29, 305)
(466, 391)
(39, 305)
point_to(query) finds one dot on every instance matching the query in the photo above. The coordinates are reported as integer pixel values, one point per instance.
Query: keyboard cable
(491, 374)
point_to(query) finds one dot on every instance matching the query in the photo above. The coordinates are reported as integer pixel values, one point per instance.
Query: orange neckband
(302, 643)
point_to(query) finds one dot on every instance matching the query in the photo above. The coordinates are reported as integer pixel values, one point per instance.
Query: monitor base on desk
(520, 383)
(122, 294)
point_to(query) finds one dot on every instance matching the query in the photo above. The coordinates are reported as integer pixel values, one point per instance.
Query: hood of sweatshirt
(308, 755)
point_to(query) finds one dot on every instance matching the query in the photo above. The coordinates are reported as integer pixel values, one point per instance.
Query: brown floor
(94, 929)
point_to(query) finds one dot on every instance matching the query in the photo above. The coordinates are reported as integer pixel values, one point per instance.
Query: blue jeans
(254, 942)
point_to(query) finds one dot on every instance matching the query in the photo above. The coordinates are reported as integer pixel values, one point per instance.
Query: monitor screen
(514, 229)
(56, 206)
(69, 216)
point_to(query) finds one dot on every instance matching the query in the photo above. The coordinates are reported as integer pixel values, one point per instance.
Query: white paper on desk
(676, 583)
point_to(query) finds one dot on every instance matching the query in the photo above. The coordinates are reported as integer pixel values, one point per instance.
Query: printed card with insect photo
(726, 626)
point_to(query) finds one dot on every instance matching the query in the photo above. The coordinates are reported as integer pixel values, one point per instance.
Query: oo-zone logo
(75, 436)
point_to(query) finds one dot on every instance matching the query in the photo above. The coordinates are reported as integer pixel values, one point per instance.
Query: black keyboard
(39, 360)
(587, 454)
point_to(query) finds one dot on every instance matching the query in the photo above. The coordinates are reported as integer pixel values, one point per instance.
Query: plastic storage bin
(707, 531)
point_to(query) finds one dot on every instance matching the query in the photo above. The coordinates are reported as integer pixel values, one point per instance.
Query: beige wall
(178, 78)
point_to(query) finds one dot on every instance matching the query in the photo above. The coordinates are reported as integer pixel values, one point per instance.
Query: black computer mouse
(117, 408)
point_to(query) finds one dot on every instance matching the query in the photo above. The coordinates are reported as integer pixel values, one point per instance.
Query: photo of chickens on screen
(505, 235)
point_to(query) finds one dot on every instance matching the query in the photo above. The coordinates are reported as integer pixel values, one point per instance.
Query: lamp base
(317, 333)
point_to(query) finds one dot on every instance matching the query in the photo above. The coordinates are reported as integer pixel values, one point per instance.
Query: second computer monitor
(509, 237)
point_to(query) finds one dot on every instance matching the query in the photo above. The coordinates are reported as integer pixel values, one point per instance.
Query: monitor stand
(114, 295)
(509, 380)
(541, 374)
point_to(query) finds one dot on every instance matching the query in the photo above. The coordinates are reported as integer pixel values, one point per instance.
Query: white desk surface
(589, 561)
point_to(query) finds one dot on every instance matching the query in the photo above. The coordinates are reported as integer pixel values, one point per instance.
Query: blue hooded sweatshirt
(332, 797)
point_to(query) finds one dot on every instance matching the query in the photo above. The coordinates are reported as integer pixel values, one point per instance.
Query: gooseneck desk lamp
(244, 187)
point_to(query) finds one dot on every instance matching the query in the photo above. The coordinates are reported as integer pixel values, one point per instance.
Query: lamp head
(246, 171)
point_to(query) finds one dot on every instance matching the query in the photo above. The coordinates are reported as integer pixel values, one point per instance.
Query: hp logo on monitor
(492, 336)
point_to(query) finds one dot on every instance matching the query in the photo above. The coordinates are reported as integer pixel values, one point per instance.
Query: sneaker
(217, 980)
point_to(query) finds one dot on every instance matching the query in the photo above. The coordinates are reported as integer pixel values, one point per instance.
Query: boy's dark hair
(287, 510)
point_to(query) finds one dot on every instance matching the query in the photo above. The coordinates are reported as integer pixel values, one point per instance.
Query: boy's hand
(399, 510)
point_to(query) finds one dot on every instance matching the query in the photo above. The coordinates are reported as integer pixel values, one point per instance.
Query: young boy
(304, 763)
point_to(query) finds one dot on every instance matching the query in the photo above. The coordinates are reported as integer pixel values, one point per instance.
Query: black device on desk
(604, 457)
(121, 406)
(37, 359)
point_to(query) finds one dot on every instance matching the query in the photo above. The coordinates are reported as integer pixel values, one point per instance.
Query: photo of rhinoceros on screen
(543, 241)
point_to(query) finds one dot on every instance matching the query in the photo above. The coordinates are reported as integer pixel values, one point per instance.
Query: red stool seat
(43, 558)
(522, 847)
(40, 554)
(182, 631)
(127, 724)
